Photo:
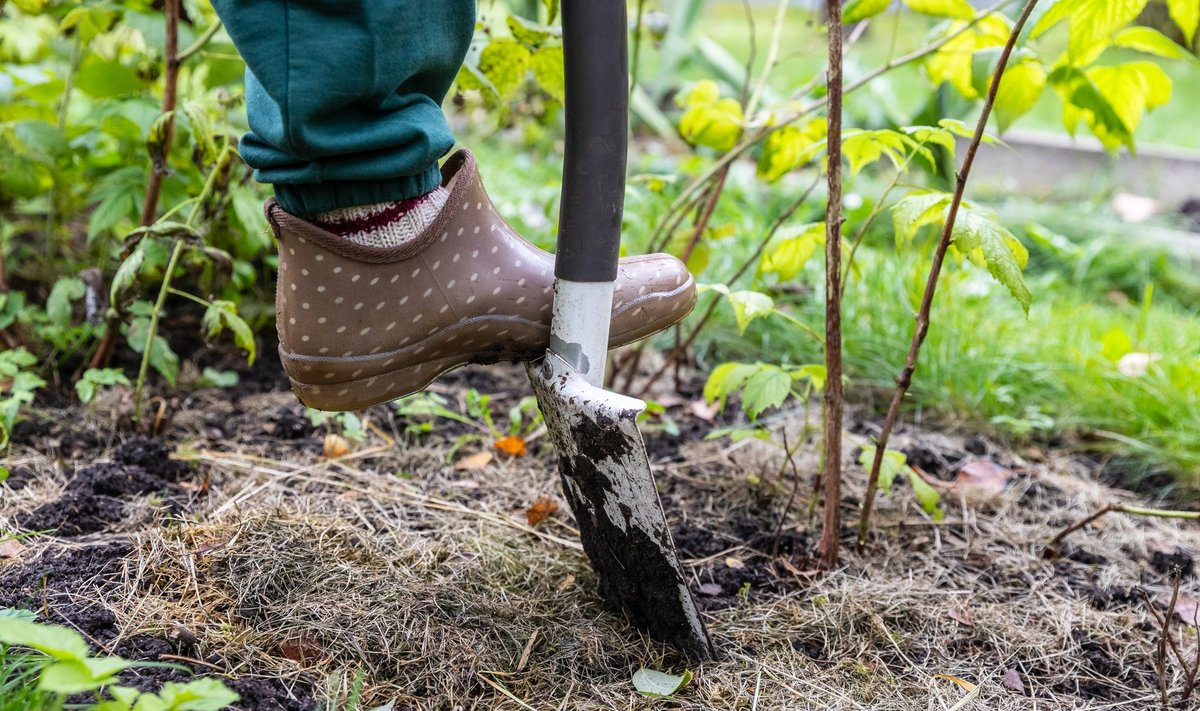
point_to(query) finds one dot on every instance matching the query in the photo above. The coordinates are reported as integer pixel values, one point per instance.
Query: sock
(385, 224)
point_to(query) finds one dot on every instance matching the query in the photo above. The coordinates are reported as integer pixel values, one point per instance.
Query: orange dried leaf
(511, 445)
(541, 510)
(471, 462)
(336, 446)
(12, 550)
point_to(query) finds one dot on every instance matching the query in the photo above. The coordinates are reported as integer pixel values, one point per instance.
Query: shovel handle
(596, 67)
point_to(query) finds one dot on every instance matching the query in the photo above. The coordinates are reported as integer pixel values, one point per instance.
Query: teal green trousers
(344, 96)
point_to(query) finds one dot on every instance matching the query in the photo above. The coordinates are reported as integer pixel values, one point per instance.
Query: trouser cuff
(307, 199)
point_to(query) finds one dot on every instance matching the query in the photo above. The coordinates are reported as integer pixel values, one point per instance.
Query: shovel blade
(607, 481)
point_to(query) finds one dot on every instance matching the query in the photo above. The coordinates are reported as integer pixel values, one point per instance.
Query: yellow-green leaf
(1131, 89)
(1150, 41)
(59, 642)
(505, 62)
(789, 147)
(893, 463)
(1090, 21)
(748, 306)
(958, 9)
(547, 64)
(857, 10)
(1020, 88)
(1186, 14)
(788, 256)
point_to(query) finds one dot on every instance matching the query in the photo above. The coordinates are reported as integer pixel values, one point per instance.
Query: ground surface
(232, 545)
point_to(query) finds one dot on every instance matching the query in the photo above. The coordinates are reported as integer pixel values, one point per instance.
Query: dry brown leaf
(566, 583)
(511, 445)
(981, 479)
(301, 648)
(12, 551)
(703, 410)
(336, 446)
(1012, 681)
(472, 462)
(1187, 607)
(541, 510)
(961, 616)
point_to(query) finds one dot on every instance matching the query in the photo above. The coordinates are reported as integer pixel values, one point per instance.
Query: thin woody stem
(904, 380)
(827, 548)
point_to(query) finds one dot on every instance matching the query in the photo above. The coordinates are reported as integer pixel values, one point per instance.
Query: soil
(262, 564)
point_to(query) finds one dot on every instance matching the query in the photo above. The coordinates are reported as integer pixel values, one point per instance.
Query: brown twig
(1118, 508)
(904, 380)
(827, 548)
(788, 460)
(159, 169)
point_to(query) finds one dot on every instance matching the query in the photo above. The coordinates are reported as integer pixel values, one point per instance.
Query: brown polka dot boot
(360, 325)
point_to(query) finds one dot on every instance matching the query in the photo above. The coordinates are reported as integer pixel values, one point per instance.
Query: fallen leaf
(961, 616)
(703, 410)
(301, 648)
(511, 445)
(981, 479)
(735, 563)
(710, 589)
(12, 551)
(1135, 365)
(471, 462)
(656, 684)
(566, 583)
(541, 510)
(1012, 681)
(966, 685)
(1187, 607)
(336, 446)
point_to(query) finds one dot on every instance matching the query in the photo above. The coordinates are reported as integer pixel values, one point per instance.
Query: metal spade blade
(607, 480)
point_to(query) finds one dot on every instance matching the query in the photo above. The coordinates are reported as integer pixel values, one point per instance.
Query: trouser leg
(344, 96)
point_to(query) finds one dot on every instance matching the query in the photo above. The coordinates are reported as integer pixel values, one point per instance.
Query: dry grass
(427, 581)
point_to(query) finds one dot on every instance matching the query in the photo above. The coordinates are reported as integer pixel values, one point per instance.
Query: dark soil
(96, 497)
(61, 585)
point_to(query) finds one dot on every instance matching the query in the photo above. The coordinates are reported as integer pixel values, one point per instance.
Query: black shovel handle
(596, 64)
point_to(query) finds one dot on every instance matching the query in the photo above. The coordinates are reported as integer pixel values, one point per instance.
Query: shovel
(602, 458)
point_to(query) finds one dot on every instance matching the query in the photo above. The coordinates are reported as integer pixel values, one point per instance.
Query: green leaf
(126, 274)
(1091, 22)
(109, 213)
(102, 79)
(656, 684)
(916, 210)
(505, 62)
(1116, 343)
(862, 148)
(1151, 41)
(1186, 14)
(958, 9)
(1020, 88)
(223, 314)
(857, 10)
(789, 147)
(547, 65)
(95, 378)
(76, 676)
(815, 373)
(893, 463)
(59, 642)
(727, 379)
(767, 388)
(1124, 92)
(952, 63)
(788, 256)
(979, 235)
(748, 306)
(213, 378)
(926, 495)
(58, 303)
(530, 32)
(197, 695)
(710, 120)
(162, 358)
